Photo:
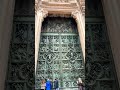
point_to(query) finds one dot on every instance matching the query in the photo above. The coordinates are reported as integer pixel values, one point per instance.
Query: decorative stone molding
(40, 15)
(59, 1)
(38, 7)
(81, 5)
(60, 15)
(74, 14)
(42, 12)
(77, 15)
(80, 20)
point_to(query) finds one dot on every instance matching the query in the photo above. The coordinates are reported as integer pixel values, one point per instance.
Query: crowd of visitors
(48, 85)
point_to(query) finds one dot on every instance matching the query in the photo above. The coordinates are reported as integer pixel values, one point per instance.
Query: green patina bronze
(60, 54)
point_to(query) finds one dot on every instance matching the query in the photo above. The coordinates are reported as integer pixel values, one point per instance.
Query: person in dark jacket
(56, 84)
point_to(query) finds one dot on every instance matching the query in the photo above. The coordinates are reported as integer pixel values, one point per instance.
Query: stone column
(80, 19)
(112, 16)
(6, 21)
(39, 17)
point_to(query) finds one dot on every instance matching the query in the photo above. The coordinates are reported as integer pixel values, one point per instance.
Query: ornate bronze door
(60, 54)
(100, 71)
(20, 75)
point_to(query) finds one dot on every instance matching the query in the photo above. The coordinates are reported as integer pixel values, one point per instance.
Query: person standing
(43, 85)
(56, 84)
(80, 84)
(48, 85)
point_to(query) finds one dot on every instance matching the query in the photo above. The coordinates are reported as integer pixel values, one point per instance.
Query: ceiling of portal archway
(52, 5)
